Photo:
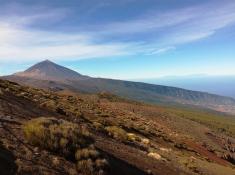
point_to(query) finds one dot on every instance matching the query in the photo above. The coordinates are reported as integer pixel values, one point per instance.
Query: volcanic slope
(132, 137)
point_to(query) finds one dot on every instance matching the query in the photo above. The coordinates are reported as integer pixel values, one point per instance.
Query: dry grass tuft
(67, 139)
(56, 135)
(117, 133)
(90, 162)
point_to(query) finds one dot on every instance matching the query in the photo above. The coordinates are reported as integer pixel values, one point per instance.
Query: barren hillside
(116, 136)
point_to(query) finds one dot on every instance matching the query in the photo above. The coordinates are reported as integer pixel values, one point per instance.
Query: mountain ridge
(49, 75)
(223, 85)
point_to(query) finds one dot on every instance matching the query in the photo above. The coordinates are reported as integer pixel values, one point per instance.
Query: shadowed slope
(7, 165)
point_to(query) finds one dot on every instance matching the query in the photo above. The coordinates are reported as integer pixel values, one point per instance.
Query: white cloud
(179, 26)
(18, 43)
(35, 45)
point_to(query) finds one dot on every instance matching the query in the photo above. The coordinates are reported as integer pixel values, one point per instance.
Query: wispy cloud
(18, 42)
(149, 22)
(35, 45)
(22, 15)
(160, 50)
(151, 34)
(177, 26)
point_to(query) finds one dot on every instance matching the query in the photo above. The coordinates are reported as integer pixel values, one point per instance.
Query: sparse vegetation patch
(67, 139)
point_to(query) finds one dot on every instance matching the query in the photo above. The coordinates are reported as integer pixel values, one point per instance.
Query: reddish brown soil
(125, 158)
(205, 153)
(16, 110)
(136, 158)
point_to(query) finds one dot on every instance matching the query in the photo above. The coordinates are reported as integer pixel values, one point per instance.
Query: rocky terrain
(47, 132)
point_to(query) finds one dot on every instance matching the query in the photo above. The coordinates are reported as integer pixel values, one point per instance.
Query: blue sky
(125, 39)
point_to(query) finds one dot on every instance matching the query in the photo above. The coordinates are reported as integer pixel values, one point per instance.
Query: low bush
(86, 153)
(132, 137)
(98, 126)
(50, 104)
(56, 135)
(117, 133)
(90, 161)
(69, 140)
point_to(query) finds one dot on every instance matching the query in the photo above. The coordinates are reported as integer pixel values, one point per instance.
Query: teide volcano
(47, 70)
(49, 75)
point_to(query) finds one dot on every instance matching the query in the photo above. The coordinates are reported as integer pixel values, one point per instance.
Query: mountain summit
(47, 70)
